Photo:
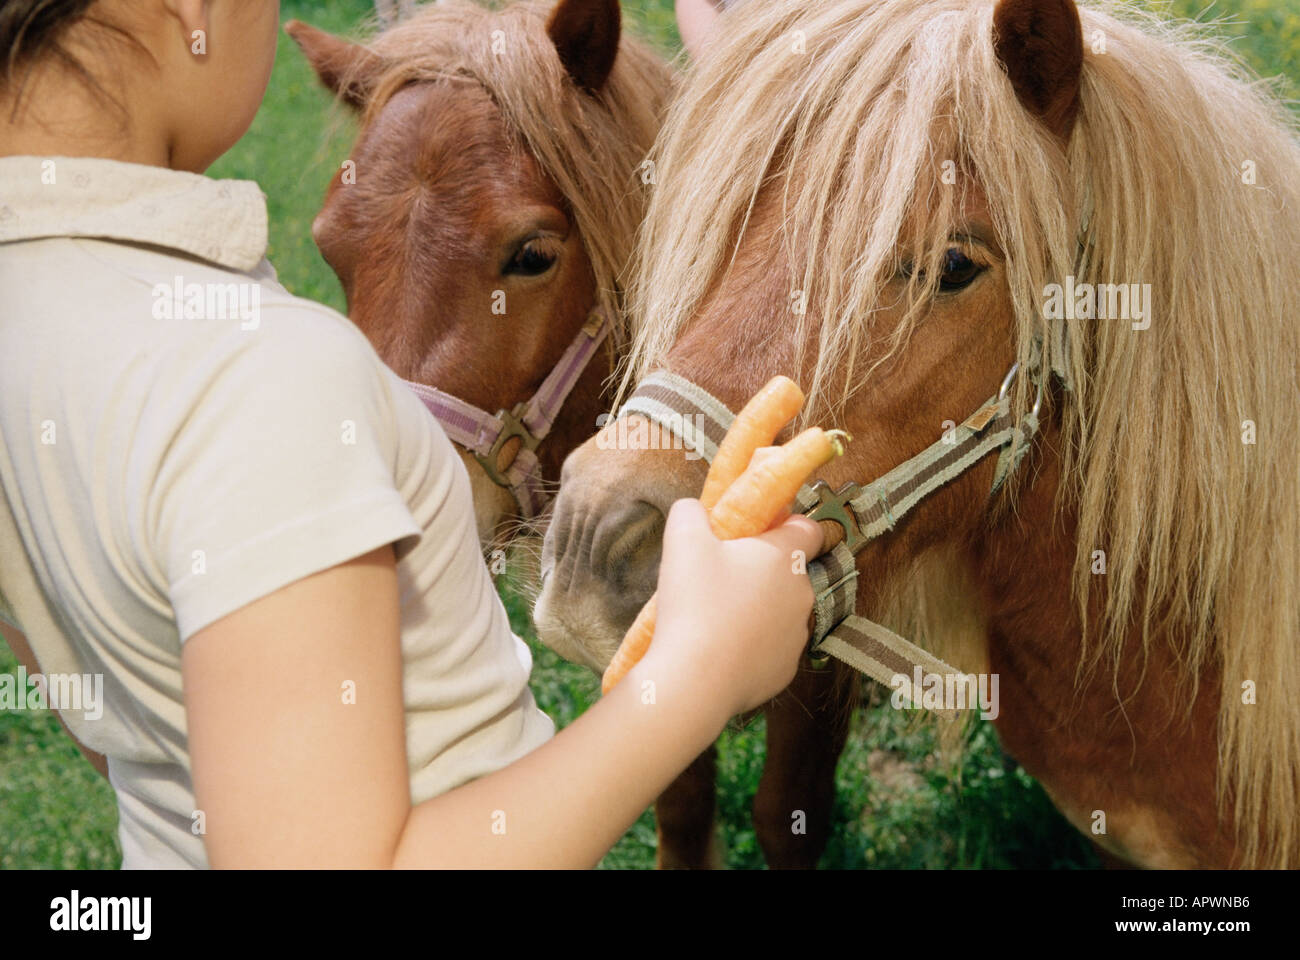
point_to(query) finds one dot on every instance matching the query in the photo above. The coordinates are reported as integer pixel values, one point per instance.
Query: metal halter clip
(1006, 386)
(833, 505)
(511, 426)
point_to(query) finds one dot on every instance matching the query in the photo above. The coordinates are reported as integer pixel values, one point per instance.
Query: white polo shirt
(180, 436)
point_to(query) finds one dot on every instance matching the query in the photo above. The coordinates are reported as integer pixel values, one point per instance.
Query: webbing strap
(485, 434)
(834, 578)
(1015, 450)
(863, 644)
(464, 423)
(676, 404)
(883, 502)
(885, 657)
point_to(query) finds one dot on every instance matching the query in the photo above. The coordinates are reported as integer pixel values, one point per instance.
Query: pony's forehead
(947, 199)
(967, 217)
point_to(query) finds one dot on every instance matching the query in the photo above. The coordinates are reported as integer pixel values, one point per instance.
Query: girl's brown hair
(33, 31)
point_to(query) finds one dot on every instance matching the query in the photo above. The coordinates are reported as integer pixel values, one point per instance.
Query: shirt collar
(222, 221)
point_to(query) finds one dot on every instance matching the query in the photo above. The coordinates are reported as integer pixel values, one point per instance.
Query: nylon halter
(863, 511)
(485, 435)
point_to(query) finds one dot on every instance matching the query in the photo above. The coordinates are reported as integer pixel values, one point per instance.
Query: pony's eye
(958, 270)
(955, 272)
(535, 257)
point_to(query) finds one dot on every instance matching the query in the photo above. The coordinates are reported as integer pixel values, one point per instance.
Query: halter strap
(485, 434)
(863, 512)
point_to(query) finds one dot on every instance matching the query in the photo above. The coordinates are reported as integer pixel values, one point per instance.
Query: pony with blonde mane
(886, 200)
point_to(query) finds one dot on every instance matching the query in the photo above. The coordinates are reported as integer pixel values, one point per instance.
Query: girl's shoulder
(175, 260)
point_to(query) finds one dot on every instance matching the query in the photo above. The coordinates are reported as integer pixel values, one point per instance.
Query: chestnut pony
(490, 204)
(895, 202)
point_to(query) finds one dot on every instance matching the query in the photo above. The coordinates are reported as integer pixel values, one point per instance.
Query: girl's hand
(734, 611)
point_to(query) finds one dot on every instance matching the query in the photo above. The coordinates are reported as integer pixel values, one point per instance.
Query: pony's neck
(1133, 743)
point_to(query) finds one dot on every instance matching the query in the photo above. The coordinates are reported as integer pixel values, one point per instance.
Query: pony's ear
(1040, 45)
(346, 69)
(585, 34)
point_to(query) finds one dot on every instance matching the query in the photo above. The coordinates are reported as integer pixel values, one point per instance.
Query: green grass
(897, 805)
(1263, 33)
(55, 809)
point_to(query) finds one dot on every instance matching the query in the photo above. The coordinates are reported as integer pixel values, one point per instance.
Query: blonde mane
(592, 146)
(845, 111)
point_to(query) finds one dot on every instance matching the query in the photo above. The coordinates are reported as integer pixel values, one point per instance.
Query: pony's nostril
(626, 547)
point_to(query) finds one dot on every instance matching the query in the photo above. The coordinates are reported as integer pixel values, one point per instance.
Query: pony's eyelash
(969, 248)
(543, 248)
(547, 244)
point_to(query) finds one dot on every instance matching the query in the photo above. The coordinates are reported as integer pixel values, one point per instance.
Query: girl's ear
(193, 15)
(1040, 44)
(585, 34)
(348, 70)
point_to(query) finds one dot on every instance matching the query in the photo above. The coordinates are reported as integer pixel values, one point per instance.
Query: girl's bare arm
(288, 774)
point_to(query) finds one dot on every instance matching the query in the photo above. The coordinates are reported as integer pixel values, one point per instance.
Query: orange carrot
(634, 646)
(755, 426)
(751, 505)
(760, 495)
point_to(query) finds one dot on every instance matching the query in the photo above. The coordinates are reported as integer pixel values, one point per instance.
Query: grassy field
(899, 804)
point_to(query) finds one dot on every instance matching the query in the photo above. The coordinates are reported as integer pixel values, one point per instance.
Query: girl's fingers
(796, 533)
(687, 521)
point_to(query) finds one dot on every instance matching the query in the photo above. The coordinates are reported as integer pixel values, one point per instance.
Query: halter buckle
(1006, 387)
(595, 320)
(832, 505)
(818, 658)
(512, 425)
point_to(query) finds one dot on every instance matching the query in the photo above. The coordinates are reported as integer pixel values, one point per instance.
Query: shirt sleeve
(284, 466)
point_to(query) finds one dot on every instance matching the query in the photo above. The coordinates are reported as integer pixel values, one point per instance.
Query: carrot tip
(838, 440)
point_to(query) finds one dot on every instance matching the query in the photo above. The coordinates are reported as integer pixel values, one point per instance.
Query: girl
(218, 499)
